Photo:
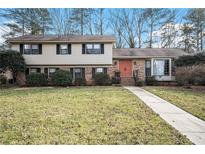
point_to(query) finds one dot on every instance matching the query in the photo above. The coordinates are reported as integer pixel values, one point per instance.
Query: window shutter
(38, 70)
(46, 71)
(83, 73)
(83, 48)
(93, 72)
(105, 70)
(21, 48)
(57, 49)
(27, 71)
(40, 49)
(102, 48)
(71, 71)
(69, 48)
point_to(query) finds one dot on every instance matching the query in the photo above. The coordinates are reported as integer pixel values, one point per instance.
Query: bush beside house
(190, 75)
(36, 79)
(102, 79)
(151, 81)
(3, 80)
(190, 70)
(61, 78)
(80, 82)
(13, 61)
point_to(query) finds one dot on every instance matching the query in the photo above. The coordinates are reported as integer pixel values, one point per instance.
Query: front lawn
(192, 101)
(87, 115)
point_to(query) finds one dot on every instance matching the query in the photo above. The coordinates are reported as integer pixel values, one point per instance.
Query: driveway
(184, 122)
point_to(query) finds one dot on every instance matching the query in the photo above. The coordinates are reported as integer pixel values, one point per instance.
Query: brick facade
(139, 65)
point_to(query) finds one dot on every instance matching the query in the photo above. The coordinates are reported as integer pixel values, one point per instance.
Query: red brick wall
(139, 64)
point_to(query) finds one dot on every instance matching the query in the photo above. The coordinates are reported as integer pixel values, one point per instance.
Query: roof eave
(37, 41)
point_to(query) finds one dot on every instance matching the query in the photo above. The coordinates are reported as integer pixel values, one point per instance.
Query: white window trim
(170, 68)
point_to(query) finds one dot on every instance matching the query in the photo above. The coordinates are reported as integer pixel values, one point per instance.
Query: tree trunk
(101, 22)
(81, 20)
(151, 31)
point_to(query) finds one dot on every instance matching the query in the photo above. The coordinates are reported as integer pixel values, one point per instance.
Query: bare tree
(154, 19)
(140, 24)
(61, 24)
(117, 28)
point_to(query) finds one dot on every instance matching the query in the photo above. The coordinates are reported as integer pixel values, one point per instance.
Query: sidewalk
(184, 122)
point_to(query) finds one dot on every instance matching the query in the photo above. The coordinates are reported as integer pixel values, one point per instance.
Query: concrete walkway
(184, 122)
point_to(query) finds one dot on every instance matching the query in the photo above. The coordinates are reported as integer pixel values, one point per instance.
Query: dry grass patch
(87, 115)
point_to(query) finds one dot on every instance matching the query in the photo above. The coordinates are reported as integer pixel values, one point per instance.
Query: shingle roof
(65, 38)
(147, 52)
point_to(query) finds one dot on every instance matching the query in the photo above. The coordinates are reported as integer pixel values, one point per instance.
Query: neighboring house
(84, 56)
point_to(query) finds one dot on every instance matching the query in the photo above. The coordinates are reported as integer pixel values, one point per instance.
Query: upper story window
(31, 49)
(63, 49)
(93, 48)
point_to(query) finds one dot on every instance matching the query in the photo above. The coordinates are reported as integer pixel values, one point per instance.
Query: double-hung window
(51, 71)
(94, 48)
(78, 72)
(98, 70)
(33, 70)
(63, 49)
(161, 67)
(31, 49)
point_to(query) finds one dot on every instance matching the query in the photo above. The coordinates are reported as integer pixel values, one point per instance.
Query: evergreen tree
(79, 17)
(196, 18)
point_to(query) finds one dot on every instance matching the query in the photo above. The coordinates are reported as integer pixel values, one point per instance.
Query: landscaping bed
(81, 115)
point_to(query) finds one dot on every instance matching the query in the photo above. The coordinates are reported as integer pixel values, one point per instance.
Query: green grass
(187, 99)
(87, 115)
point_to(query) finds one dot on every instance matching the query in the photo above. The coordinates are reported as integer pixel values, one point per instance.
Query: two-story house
(86, 55)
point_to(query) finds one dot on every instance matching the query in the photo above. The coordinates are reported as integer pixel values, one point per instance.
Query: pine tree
(79, 17)
(196, 18)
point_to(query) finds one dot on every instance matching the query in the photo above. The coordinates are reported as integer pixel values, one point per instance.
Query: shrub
(13, 61)
(189, 60)
(102, 79)
(36, 79)
(61, 78)
(190, 75)
(151, 81)
(80, 81)
(139, 83)
(116, 78)
(3, 79)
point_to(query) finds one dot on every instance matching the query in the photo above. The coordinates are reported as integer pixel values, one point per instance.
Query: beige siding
(49, 56)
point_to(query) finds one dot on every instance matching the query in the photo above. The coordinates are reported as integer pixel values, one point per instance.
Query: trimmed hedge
(102, 79)
(62, 78)
(36, 79)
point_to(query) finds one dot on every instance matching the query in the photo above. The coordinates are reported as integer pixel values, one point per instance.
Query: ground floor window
(98, 70)
(51, 71)
(148, 68)
(161, 67)
(78, 72)
(33, 70)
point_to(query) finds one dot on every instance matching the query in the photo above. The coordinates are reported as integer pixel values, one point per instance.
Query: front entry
(125, 68)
